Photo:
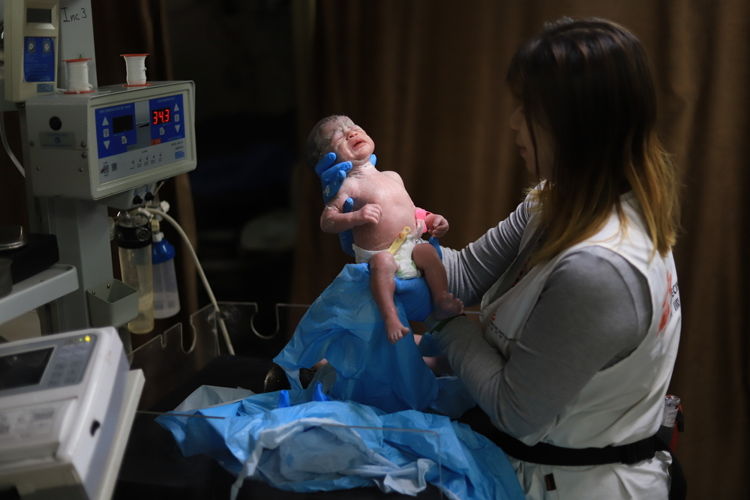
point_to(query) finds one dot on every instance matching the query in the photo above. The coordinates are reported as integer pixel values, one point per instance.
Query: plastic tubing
(211, 297)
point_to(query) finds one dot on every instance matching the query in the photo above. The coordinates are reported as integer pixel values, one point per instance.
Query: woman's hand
(332, 174)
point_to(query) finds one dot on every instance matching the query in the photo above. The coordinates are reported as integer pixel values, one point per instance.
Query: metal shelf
(40, 289)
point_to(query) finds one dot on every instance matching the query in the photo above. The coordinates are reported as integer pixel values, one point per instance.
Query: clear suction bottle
(166, 295)
(133, 237)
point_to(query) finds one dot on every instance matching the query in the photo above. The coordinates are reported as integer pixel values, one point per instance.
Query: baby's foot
(447, 305)
(395, 329)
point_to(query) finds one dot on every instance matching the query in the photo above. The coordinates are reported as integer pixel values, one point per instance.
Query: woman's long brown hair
(588, 85)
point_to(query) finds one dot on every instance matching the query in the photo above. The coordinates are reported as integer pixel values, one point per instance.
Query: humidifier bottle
(133, 237)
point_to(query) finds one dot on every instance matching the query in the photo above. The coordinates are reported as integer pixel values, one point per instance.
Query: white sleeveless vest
(620, 404)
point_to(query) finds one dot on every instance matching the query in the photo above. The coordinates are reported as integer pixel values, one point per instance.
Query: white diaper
(406, 267)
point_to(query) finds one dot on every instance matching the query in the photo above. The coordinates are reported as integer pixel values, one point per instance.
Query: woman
(580, 316)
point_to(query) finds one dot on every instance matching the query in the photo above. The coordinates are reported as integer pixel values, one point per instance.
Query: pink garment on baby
(421, 214)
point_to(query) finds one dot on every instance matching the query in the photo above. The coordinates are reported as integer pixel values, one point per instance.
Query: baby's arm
(335, 220)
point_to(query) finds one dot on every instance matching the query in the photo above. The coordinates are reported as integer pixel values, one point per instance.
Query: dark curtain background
(425, 79)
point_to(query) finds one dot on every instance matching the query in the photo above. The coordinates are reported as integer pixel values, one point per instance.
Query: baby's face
(349, 141)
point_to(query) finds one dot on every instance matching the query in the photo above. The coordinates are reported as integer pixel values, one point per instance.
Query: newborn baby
(385, 224)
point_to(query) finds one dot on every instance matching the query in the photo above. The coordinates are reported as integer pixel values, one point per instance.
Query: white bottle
(166, 295)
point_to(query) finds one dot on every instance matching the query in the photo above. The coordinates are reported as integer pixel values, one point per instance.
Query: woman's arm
(594, 310)
(474, 269)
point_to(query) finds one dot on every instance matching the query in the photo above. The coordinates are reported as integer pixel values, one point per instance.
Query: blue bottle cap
(161, 251)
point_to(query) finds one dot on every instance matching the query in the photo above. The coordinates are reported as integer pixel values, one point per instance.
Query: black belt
(543, 453)
(547, 454)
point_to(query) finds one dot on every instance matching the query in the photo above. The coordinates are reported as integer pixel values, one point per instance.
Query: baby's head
(339, 134)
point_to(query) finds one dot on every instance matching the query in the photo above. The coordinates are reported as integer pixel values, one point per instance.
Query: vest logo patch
(671, 302)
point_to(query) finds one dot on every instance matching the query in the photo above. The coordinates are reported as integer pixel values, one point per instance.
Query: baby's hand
(370, 214)
(437, 225)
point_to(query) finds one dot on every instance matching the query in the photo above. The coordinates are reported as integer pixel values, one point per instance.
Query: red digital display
(159, 116)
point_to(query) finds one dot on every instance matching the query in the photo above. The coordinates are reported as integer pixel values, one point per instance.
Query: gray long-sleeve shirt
(593, 311)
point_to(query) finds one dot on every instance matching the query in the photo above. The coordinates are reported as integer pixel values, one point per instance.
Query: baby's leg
(382, 271)
(426, 258)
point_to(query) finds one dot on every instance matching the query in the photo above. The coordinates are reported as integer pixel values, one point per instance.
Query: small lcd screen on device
(122, 123)
(25, 368)
(161, 116)
(39, 16)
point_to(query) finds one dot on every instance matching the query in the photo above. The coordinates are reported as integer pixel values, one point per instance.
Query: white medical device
(91, 151)
(66, 406)
(35, 26)
(87, 149)
(94, 145)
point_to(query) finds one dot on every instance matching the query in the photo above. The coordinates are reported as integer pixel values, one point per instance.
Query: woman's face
(542, 154)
